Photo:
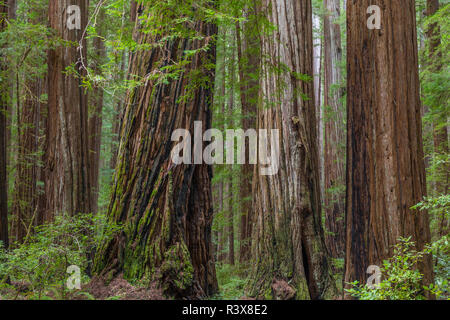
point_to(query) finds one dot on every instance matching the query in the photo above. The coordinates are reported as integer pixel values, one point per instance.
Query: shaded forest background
(87, 116)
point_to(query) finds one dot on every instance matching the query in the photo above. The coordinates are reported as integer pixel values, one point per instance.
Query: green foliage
(441, 257)
(439, 209)
(401, 279)
(435, 83)
(41, 262)
(231, 284)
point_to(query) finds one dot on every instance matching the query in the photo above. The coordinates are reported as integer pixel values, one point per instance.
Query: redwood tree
(166, 209)
(385, 160)
(334, 144)
(66, 172)
(288, 236)
(25, 185)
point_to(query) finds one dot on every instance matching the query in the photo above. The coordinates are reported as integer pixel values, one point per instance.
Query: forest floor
(95, 289)
(232, 281)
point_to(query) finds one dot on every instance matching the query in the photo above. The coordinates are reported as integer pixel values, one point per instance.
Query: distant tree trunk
(67, 178)
(229, 220)
(230, 125)
(25, 189)
(248, 49)
(95, 120)
(318, 89)
(12, 8)
(218, 207)
(3, 107)
(288, 235)
(166, 209)
(117, 120)
(334, 154)
(385, 167)
(440, 136)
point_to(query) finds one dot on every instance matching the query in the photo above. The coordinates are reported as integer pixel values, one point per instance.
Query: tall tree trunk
(12, 8)
(25, 190)
(166, 209)
(317, 69)
(3, 107)
(67, 179)
(385, 166)
(334, 153)
(288, 235)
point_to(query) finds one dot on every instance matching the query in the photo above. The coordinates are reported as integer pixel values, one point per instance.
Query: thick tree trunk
(288, 235)
(166, 209)
(67, 179)
(3, 107)
(334, 153)
(385, 167)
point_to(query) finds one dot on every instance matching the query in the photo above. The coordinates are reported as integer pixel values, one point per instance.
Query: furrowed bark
(166, 209)
(67, 178)
(385, 166)
(288, 235)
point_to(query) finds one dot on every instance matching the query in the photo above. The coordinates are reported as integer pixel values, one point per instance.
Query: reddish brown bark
(67, 179)
(385, 166)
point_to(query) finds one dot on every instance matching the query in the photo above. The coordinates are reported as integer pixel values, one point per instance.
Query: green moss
(302, 290)
(177, 268)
